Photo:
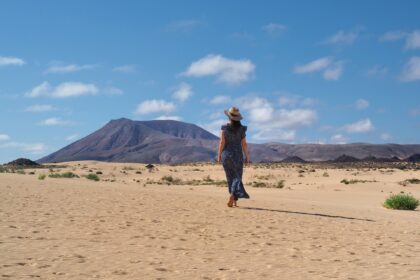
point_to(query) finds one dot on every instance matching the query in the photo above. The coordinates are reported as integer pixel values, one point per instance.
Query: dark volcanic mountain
(124, 140)
(167, 141)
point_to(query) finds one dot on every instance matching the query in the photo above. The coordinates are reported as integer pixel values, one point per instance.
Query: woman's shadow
(305, 213)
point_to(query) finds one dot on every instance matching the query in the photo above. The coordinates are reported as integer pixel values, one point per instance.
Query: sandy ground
(125, 228)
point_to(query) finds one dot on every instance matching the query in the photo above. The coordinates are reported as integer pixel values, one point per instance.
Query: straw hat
(233, 114)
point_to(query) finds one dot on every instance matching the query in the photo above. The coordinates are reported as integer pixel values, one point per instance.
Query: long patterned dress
(233, 160)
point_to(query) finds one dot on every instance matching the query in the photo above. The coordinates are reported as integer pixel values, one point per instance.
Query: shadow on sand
(305, 213)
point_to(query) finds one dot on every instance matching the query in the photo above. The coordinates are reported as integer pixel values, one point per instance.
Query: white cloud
(129, 68)
(39, 108)
(174, 118)
(55, 122)
(412, 39)
(361, 104)
(308, 101)
(63, 90)
(342, 38)
(183, 92)
(69, 68)
(9, 60)
(334, 72)
(220, 99)
(393, 36)
(40, 90)
(339, 139)
(293, 118)
(292, 101)
(269, 134)
(385, 136)
(288, 101)
(266, 122)
(411, 70)
(259, 109)
(262, 112)
(34, 148)
(214, 126)
(183, 25)
(273, 28)
(226, 70)
(114, 91)
(154, 106)
(4, 137)
(313, 66)
(72, 137)
(71, 89)
(377, 70)
(359, 126)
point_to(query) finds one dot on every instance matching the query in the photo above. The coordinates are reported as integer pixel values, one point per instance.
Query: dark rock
(346, 158)
(23, 162)
(293, 159)
(413, 158)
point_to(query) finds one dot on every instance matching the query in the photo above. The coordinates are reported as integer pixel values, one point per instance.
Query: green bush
(401, 202)
(20, 171)
(63, 175)
(3, 169)
(93, 177)
(41, 176)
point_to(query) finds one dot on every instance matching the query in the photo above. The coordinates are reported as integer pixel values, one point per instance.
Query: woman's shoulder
(224, 127)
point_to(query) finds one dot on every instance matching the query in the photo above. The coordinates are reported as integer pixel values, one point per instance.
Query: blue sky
(300, 71)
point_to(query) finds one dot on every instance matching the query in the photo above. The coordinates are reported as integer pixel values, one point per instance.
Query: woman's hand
(219, 159)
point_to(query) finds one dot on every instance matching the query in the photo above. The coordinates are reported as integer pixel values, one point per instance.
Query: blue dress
(233, 160)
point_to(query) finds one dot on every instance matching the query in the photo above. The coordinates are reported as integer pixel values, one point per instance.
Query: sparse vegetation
(63, 175)
(277, 185)
(20, 171)
(401, 202)
(92, 177)
(127, 168)
(259, 184)
(410, 181)
(325, 174)
(208, 179)
(41, 176)
(355, 181)
(171, 180)
(264, 177)
(3, 169)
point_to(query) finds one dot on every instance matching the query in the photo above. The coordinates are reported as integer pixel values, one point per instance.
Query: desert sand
(133, 225)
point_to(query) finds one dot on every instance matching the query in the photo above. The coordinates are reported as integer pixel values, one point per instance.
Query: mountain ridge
(170, 141)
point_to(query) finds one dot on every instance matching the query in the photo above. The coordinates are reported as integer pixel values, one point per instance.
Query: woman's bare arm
(221, 146)
(245, 149)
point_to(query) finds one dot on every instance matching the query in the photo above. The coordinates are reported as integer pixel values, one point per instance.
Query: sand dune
(133, 226)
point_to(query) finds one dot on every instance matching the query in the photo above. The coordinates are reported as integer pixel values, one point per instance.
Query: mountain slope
(167, 141)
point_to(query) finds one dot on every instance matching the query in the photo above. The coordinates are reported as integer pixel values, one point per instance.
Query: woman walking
(232, 148)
